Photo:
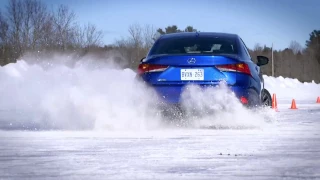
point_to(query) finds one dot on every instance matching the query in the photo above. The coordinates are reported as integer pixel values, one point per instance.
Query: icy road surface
(288, 149)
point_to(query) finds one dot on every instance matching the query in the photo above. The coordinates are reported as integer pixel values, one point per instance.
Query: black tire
(253, 99)
(266, 99)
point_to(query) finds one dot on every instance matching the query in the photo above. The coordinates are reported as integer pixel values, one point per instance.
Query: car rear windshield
(195, 45)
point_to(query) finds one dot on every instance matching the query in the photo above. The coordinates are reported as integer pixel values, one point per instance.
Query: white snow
(98, 123)
(288, 89)
(82, 97)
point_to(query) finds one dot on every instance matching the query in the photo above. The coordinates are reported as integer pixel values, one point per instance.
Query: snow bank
(288, 89)
(101, 96)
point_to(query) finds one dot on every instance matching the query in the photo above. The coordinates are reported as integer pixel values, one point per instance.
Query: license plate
(192, 74)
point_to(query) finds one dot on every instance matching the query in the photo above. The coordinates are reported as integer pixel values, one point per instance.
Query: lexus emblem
(192, 60)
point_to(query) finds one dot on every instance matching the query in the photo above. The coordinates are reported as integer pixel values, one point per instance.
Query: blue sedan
(205, 59)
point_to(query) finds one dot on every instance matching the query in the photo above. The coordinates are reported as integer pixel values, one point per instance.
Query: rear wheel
(266, 98)
(253, 99)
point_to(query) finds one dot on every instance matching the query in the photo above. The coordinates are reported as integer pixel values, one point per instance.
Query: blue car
(205, 59)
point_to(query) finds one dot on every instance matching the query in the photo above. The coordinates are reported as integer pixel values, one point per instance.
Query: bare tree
(92, 35)
(150, 35)
(4, 27)
(15, 21)
(64, 26)
(48, 35)
(126, 48)
(4, 40)
(26, 23)
(295, 47)
(27, 26)
(258, 47)
(136, 42)
(87, 36)
(39, 19)
(79, 40)
(136, 36)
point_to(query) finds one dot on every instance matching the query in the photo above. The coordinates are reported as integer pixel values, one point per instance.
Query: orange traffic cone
(274, 102)
(293, 104)
(318, 100)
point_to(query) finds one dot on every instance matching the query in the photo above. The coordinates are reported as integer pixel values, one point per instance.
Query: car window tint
(195, 45)
(245, 48)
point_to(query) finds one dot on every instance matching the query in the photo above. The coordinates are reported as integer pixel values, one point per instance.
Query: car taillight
(244, 100)
(242, 67)
(143, 68)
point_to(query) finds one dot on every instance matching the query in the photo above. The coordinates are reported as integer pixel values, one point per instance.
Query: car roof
(200, 34)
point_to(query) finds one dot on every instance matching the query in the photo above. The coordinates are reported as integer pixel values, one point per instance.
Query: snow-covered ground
(96, 123)
(288, 89)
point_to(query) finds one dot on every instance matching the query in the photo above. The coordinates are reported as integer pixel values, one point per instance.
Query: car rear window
(195, 45)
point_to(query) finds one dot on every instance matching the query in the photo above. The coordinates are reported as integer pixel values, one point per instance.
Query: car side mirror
(262, 60)
(141, 60)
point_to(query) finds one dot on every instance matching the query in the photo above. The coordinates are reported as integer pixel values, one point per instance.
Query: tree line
(294, 61)
(29, 27)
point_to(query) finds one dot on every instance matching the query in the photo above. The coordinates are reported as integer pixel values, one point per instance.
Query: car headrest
(226, 48)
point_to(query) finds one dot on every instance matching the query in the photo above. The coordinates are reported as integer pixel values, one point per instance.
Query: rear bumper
(171, 95)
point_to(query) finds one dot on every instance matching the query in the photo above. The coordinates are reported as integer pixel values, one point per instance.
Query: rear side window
(245, 48)
(195, 45)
